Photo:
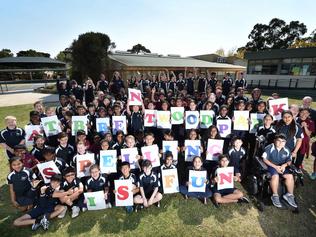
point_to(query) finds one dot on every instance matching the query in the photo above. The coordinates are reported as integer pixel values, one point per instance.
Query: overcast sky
(165, 27)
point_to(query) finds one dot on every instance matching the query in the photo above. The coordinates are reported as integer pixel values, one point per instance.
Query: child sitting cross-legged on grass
(47, 207)
(228, 195)
(149, 185)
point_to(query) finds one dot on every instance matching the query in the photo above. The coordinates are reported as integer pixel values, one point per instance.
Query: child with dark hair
(127, 175)
(47, 207)
(228, 195)
(75, 198)
(39, 146)
(149, 185)
(29, 161)
(64, 150)
(20, 185)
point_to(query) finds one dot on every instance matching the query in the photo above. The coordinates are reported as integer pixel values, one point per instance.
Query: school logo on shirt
(23, 178)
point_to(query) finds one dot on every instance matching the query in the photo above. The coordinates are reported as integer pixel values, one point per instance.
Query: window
(305, 70)
(313, 69)
(285, 69)
(295, 69)
(271, 69)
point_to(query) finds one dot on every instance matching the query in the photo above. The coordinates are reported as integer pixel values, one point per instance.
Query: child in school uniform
(99, 182)
(47, 208)
(197, 166)
(75, 200)
(11, 136)
(237, 156)
(38, 147)
(64, 149)
(149, 186)
(128, 175)
(20, 185)
(228, 195)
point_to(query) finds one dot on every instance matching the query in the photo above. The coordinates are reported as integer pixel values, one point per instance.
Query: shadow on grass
(276, 222)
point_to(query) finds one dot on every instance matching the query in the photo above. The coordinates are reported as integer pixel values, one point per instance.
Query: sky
(166, 27)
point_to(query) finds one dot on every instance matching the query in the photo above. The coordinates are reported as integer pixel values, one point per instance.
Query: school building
(282, 68)
(129, 64)
(29, 68)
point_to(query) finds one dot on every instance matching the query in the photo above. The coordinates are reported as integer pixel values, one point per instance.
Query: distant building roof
(30, 60)
(282, 53)
(149, 60)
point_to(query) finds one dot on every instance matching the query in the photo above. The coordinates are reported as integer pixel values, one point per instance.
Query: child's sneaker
(158, 204)
(108, 205)
(276, 201)
(243, 200)
(63, 213)
(129, 209)
(290, 199)
(75, 211)
(312, 176)
(37, 224)
(44, 223)
(84, 209)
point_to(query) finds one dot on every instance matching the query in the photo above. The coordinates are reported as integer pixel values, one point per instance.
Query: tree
(89, 55)
(305, 42)
(32, 53)
(65, 56)
(220, 52)
(276, 35)
(138, 48)
(6, 53)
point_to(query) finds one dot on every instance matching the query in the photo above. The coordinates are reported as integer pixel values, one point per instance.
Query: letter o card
(95, 200)
(123, 193)
(170, 180)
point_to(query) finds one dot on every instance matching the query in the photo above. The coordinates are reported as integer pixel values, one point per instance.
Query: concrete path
(21, 98)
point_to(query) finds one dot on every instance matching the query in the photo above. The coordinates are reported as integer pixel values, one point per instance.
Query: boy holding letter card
(223, 180)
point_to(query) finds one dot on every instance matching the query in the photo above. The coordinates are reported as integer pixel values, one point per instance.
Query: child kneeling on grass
(47, 207)
(228, 195)
(149, 185)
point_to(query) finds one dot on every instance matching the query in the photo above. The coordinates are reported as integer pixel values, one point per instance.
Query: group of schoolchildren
(44, 201)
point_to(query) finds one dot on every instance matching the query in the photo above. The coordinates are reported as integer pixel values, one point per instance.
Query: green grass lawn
(175, 217)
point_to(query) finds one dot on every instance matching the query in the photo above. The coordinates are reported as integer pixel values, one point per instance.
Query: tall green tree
(32, 53)
(89, 55)
(276, 35)
(138, 48)
(6, 53)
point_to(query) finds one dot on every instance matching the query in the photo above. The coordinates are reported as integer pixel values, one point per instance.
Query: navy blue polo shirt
(277, 157)
(74, 184)
(291, 141)
(235, 157)
(61, 164)
(65, 153)
(21, 181)
(148, 182)
(132, 177)
(98, 184)
(12, 137)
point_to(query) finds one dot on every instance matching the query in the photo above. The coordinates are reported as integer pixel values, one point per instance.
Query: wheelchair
(257, 181)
